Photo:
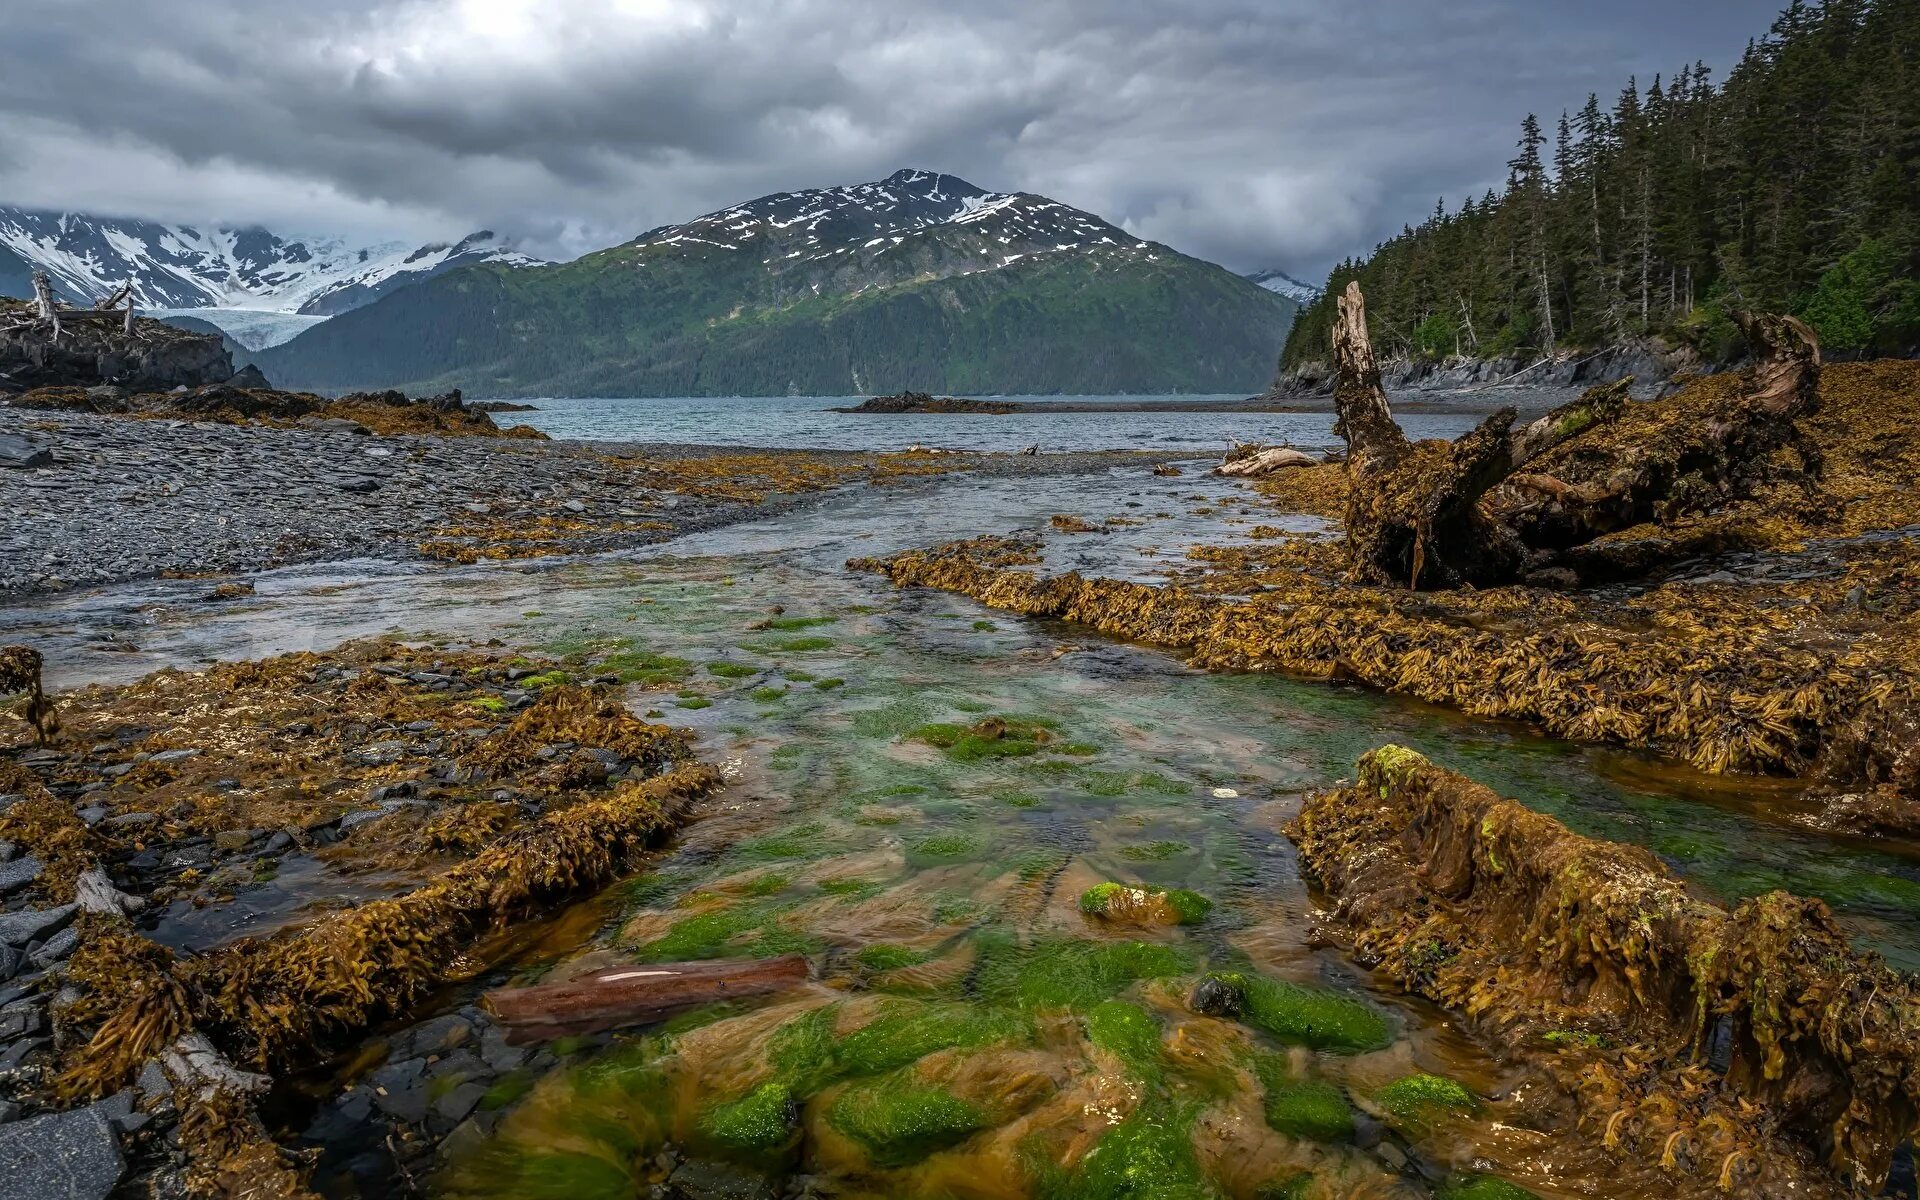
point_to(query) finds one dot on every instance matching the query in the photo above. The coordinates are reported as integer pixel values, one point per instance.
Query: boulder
(61, 1156)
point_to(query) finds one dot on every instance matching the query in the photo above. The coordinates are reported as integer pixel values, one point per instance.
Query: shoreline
(126, 499)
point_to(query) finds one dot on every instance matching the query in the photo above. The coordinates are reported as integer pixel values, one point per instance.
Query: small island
(921, 402)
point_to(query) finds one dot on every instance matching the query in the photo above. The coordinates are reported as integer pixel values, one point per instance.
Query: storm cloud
(1253, 132)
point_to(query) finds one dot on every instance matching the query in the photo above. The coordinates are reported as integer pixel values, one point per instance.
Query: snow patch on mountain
(253, 328)
(191, 268)
(1282, 284)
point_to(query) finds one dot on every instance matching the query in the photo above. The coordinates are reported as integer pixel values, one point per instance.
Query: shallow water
(938, 888)
(803, 422)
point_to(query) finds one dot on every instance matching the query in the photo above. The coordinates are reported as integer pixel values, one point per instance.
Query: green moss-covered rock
(1318, 1017)
(898, 1122)
(1421, 1099)
(1311, 1109)
(1148, 1156)
(1294, 1187)
(1145, 905)
(1070, 973)
(1128, 1032)
(761, 1121)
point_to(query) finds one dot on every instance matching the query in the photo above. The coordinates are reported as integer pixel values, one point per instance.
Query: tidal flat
(1072, 856)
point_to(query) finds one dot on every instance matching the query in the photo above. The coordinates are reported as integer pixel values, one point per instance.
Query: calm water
(968, 1021)
(802, 422)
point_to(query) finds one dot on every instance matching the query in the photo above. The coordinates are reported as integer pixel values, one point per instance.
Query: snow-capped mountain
(1283, 284)
(919, 280)
(185, 267)
(911, 216)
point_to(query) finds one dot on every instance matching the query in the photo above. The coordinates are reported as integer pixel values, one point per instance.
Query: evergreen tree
(1793, 184)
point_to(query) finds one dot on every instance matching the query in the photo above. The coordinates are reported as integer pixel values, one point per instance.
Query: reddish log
(635, 995)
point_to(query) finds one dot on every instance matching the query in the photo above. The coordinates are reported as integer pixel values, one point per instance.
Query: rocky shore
(97, 498)
(1650, 365)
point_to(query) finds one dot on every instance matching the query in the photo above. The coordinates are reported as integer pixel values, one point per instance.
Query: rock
(1215, 997)
(19, 873)
(61, 1156)
(231, 840)
(399, 1091)
(458, 1103)
(251, 377)
(181, 755)
(58, 947)
(20, 454)
(438, 1036)
(9, 962)
(34, 924)
(132, 820)
(702, 1179)
(574, 506)
(22, 1018)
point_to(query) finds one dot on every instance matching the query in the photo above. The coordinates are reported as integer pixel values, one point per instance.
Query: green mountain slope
(919, 281)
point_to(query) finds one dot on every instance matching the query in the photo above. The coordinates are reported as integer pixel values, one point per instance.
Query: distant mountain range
(1282, 284)
(256, 285)
(919, 281)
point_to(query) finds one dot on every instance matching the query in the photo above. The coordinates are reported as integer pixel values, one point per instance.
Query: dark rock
(34, 924)
(22, 1018)
(250, 376)
(19, 873)
(20, 454)
(458, 1103)
(702, 1179)
(58, 947)
(1216, 997)
(438, 1036)
(61, 1156)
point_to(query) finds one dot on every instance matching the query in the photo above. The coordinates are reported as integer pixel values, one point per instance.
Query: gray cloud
(1253, 132)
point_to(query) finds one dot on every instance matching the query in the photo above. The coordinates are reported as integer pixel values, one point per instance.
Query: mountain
(1282, 284)
(918, 281)
(211, 270)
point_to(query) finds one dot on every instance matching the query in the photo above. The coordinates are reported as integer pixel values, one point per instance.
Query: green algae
(1304, 1108)
(802, 841)
(1481, 1187)
(769, 694)
(1069, 973)
(1148, 1156)
(1039, 864)
(1419, 1099)
(1155, 851)
(506, 1090)
(731, 670)
(898, 1123)
(764, 1119)
(883, 956)
(992, 738)
(791, 624)
(828, 685)
(643, 667)
(808, 1055)
(1294, 1187)
(945, 847)
(1014, 798)
(560, 1175)
(1129, 1033)
(893, 720)
(1317, 1017)
(1111, 899)
(740, 930)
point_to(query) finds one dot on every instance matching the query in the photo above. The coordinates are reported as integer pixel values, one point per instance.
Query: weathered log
(43, 301)
(635, 995)
(1252, 462)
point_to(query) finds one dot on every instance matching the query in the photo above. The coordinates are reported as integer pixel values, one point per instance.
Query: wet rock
(399, 1090)
(702, 1179)
(438, 1036)
(457, 1104)
(34, 924)
(19, 873)
(1216, 997)
(172, 756)
(9, 962)
(61, 1156)
(22, 1018)
(231, 840)
(18, 453)
(57, 948)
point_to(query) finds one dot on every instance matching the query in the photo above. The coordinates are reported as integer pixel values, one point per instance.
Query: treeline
(1792, 186)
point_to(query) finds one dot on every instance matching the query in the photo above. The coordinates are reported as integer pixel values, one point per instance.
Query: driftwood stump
(1425, 514)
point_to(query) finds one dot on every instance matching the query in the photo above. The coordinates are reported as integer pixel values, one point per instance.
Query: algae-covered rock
(898, 1122)
(1422, 1099)
(1481, 1187)
(1318, 1017)
(762, 1120)
(1131, 904)
(1304, 1108)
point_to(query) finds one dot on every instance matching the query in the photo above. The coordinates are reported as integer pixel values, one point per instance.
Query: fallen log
(1252, 462)
(635, 995)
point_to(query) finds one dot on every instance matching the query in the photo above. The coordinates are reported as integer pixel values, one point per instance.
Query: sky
(1256, 133)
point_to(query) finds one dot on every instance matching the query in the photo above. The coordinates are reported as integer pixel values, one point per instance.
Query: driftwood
(1422, 514)
(1252, 462)
(43, 301)
(635, 995)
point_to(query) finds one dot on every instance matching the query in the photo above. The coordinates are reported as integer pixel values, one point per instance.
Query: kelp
(266, 1000)
(1732, 681)
(1718, 1047)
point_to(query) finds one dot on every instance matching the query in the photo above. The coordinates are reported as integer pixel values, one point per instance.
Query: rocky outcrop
(1651, 363)
(155, 356)
(921, 402)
